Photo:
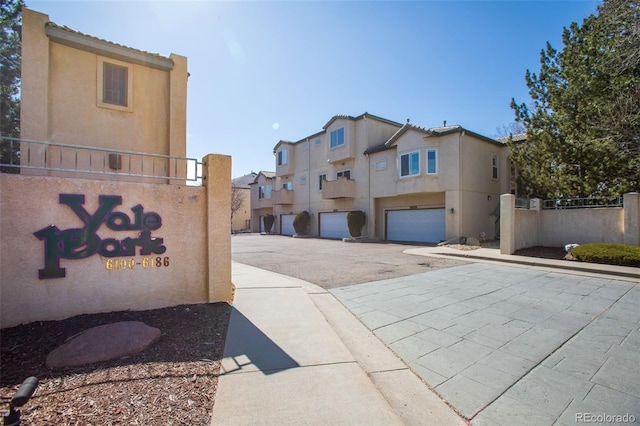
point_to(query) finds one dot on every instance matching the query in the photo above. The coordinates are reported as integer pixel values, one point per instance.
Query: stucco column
(507, 224)
(178, 115)
(217, 179)
(631, 204)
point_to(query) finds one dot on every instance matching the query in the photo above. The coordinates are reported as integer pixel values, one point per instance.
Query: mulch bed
(543, 252)
(172, 382)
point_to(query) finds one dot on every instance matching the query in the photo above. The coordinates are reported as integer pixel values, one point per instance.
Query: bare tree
(237, 197)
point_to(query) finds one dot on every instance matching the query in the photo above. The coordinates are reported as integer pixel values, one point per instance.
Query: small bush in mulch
(610, 254)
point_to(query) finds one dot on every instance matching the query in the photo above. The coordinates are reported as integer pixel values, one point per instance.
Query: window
(115, 84)
(381, 165)
(264, 192)
(282, 157)
(337, 137)
(305, 146)
(321, 179)
(344, 174)
(288, 186)
(303, 180)
(432, 161)
(318, 142)
(494, 167)
(410, 164)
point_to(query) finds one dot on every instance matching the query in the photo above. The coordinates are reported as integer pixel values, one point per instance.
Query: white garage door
(286, 224)
(425, 226)
(261, 222)
(334, 225)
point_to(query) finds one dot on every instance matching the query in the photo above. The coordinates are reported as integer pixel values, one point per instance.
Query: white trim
(400, 164)
(426, 160)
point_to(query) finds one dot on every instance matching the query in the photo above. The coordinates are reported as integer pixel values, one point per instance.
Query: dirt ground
(172, 382)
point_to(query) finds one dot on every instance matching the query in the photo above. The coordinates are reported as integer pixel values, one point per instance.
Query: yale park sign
(80, 243)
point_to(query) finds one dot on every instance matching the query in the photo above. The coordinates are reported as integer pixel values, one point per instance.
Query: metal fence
(582, 203)
(23, 155)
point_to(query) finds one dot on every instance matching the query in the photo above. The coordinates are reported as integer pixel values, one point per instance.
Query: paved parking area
(509, 345)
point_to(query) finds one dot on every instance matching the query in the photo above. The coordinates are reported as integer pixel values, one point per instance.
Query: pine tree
(10, 61)
(583, 132)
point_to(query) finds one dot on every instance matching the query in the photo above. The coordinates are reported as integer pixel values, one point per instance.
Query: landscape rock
(103, 343)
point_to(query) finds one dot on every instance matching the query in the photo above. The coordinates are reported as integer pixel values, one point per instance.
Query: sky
(266, 71)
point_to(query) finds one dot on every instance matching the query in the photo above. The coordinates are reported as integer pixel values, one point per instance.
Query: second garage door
(286, 224)
(334, 225)
(425, 226)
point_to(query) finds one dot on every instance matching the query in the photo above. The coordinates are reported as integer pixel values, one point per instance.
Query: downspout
(460, 197)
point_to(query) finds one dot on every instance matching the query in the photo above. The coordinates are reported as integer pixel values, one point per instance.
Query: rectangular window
(260, 192)
(344, 174)
(381, 165)
(321, 179)
(305, 146)
(288, 186)
(410, 164)
(494, 167)
(303, 180)
(432, 161)
(267, 193)
(337, 137)
(318, 142)
(115, 84)
(282, 157)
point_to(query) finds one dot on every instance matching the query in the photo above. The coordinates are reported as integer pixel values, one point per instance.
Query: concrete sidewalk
(295, 355)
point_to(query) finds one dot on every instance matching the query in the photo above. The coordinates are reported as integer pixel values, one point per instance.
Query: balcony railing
(339, 188)
(282, 196)
(23, 156)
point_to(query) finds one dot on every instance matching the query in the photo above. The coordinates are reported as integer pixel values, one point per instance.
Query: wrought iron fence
(23, 155)
(582, 203)
(523, 203)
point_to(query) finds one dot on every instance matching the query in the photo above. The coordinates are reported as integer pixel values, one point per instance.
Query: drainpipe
(460, 197)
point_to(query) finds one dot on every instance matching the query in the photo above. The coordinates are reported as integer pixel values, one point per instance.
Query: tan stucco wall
(195, 230)
(60, 101)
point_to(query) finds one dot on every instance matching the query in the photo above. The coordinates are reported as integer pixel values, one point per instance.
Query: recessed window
(318, 142)
(432, 161)
(288, 186)
(264, 192)
(321, 179)
(282, 157)
(115, 84)
(337, 137)
(410, 164)
(494, 167)
(344, 174)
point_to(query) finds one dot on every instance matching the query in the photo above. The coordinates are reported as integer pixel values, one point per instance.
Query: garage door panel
(286, 224)
(425, 225)
(334, 225)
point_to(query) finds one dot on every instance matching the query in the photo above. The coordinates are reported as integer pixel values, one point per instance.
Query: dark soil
(543, 252)
(171, 382)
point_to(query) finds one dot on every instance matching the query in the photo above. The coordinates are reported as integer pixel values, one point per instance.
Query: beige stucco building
(241, 202)
(413, 183)
(81, 90)
(261, 199)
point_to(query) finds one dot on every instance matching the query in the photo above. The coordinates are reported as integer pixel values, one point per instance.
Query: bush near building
(610, 254)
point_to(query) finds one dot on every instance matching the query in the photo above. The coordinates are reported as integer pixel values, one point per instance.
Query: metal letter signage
(80, 243)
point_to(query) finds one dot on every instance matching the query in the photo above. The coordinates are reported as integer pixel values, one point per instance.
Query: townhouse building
(261, 201)
(414, 184)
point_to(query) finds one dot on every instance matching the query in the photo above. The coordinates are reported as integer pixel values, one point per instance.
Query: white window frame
(288, 186)
(282, 157)
(381, 165)
(341, 173)
(435, 151)
(322, 177)
(339, 141)
(100, 84)
(409, 155)
(495, 167)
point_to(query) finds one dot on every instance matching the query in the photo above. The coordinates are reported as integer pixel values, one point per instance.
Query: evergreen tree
(10, 61)
(583, 131)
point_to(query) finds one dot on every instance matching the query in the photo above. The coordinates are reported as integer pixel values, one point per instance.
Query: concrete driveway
(510, 345)
(503, 345)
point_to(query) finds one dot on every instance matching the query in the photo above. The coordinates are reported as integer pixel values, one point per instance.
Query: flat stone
(103, 343)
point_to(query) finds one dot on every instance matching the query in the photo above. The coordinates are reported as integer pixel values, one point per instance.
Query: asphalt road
(331, 263)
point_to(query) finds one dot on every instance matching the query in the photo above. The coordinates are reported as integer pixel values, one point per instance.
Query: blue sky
(271, 70)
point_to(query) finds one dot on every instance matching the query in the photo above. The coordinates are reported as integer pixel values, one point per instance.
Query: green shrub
(268, 222)
(355, 222)
(610, 254)
(301, 223)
